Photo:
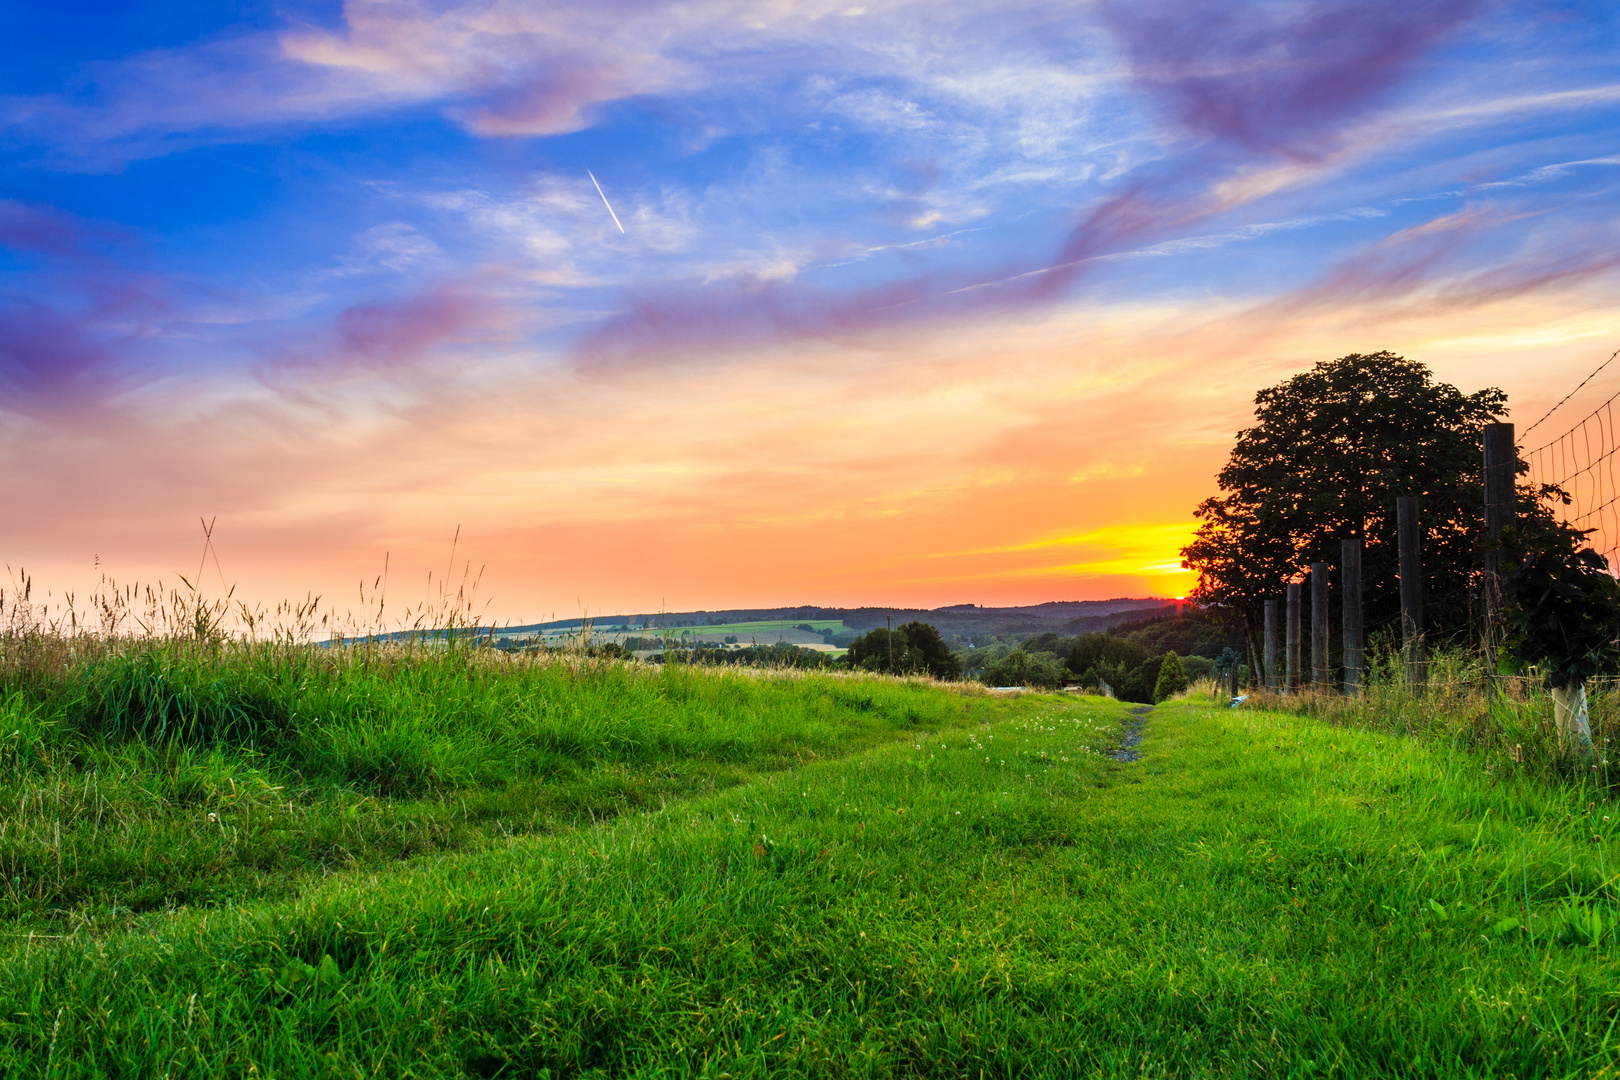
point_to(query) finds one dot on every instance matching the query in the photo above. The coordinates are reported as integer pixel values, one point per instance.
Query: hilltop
(1059, 616)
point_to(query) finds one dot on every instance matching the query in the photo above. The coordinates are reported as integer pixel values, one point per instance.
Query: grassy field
(766, 632)
(724, 874)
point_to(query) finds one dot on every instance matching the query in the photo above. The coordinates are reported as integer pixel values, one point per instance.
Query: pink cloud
(395, 338)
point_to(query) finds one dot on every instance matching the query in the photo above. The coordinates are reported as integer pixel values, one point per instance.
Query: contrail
(604, 199)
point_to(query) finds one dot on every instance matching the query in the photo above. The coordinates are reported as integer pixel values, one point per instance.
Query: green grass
(165, 775)
(978, 893)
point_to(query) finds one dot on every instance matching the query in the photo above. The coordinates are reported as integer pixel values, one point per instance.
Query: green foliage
(913, 649)
(1563, 605)
(1019, 668)
(1172, 678)
(1329, 453)
(1190, 632)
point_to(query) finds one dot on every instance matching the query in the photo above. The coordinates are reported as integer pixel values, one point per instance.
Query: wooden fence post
(1350, 603)
(1254, 659)
(1291, 683)
(1409, 536)
(1273, 675)
(1500, 480)
(1319, 625)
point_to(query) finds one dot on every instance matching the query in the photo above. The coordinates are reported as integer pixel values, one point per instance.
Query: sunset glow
(719, 304)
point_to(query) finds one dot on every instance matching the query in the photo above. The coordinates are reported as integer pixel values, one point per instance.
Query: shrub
(1172, 678)
(1019, 668)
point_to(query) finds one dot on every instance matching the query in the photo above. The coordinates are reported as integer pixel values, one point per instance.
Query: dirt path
(1133, 735)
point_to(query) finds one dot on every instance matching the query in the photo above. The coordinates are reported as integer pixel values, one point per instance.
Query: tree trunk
(1574, 727)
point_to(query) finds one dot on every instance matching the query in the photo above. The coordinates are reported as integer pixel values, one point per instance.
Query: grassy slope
(1259, 895)
(360, 761)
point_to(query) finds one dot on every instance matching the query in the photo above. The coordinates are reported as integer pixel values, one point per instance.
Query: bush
(1019, 668)
(1197, 667)
(1172, 678)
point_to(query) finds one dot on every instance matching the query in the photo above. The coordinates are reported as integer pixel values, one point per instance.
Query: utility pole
(1350, 604)
(1319, 625)
(1409, 536)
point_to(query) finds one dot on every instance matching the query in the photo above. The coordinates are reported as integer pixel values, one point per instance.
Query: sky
(714, 304)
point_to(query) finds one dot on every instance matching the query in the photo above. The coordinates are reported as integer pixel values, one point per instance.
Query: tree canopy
(1329, 453)
(913, 649)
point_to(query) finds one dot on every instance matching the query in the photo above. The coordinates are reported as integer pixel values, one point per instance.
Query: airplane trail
(605, 203)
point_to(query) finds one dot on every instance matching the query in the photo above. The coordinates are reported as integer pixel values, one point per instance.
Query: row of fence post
(1283, 673)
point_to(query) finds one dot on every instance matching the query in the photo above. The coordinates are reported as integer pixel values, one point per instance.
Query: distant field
(760, 629)
(765, 633)
(443, 864)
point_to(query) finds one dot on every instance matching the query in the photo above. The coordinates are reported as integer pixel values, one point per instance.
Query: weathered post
(1253, 682)
(1350, 604)
(1409, 538)
(1500, 474)
(1273, 675)
(1319, 625)
(1292, 682)
(888, 625)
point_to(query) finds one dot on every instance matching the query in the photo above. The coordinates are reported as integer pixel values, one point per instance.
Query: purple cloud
(1260, 84)
(1279, 80)
(64, 340)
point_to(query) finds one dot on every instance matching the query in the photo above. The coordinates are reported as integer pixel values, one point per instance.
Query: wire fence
(1582, 462)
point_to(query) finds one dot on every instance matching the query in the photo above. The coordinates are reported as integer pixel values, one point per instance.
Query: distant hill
(1063, 616)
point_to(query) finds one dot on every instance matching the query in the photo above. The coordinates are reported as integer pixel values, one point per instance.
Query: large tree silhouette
(1330, 452)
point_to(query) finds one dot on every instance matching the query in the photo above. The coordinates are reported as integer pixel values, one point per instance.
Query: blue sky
(891, 276)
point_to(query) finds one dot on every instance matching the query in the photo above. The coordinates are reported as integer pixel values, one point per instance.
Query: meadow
(448, 863)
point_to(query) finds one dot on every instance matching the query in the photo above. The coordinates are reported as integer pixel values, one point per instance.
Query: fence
(1581, 463)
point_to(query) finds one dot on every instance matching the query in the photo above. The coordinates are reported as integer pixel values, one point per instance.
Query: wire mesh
(1582, 463)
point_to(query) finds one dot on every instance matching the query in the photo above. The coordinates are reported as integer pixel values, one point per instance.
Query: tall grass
(147, 772)
(1505, 720)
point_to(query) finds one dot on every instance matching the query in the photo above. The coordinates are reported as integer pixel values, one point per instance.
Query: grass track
(1258, 896)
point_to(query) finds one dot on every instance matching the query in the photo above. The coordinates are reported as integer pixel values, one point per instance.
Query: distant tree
(913, 649)
(1197, 667)
(1111, 657)
(1189, 632)
(805, 627)
(1329, 453)
(1019, 668)
(1172, 678)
